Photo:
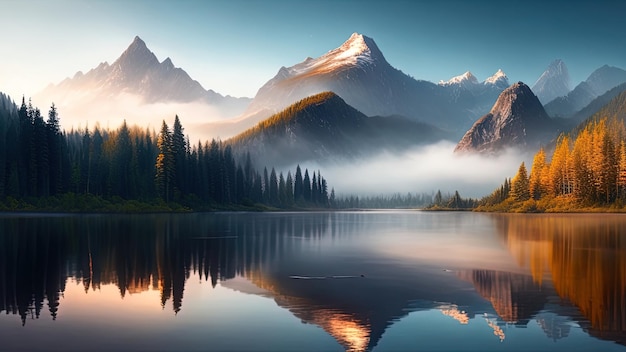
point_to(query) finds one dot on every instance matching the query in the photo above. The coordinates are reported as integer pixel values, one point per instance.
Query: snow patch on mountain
(464, 79)
(358, 50)
(499, 79)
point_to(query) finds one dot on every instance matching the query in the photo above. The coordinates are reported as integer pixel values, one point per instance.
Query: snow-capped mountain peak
(466, 78)
(498, 76)
(357, 51)
(498, 79)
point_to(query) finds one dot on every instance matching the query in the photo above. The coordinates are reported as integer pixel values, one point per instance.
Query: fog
(424, 169)
(421, 169)
(81, 112)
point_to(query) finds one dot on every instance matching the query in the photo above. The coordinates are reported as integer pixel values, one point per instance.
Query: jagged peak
(167, 63)
(518, 92)
(138, 51)
(557, 63)
(499, 76)
(358, 45)
(138, 41)
(467, 77)
(361, 41)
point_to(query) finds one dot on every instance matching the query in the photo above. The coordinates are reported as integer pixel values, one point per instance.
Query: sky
(234, 47)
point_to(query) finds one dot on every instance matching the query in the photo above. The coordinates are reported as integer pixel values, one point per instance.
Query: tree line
(40, 161)
(584, 171)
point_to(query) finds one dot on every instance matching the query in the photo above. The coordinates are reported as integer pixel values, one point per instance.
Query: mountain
(598, 83)
(324, 128)
(499, 80)
(359, 73)
(136, 78)
(553, 83)
(466, 80)
(477, 97)
(517, 119)
(615, 108)
(598, 103)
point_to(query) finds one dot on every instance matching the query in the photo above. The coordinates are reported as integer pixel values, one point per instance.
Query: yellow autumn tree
(520, 187)
(558, 174)
(537, 188)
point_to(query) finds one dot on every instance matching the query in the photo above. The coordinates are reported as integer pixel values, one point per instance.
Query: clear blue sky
(233, 47)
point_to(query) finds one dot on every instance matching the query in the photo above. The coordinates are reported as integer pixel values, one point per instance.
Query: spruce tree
(306, 186)
(164, 164)
(298, 192)
(520, 190)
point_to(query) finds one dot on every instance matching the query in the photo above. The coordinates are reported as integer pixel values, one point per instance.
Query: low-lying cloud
(424, 169)
(109, 114)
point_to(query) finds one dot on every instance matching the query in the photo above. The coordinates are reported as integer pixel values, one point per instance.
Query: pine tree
(438, 200)
(520, 189)
(55, 156)
(282, 190)
(179, 151)
(120, 177)
(298, 191)
(164, 164)
(314, 189)
(289, 197)
(621, 177)
(306, 186)
(537, 189)
(559, 174)
(273, 188)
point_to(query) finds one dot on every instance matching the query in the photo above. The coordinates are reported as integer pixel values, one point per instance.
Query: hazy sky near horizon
(234, 47)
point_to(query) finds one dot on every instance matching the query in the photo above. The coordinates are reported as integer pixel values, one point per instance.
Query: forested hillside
(586, 171)
(132, 169)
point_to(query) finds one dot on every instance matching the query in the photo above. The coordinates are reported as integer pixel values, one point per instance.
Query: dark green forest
(45, 168)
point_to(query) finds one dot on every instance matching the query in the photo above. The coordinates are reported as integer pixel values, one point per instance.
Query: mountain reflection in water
(566, 270)
(583, 255)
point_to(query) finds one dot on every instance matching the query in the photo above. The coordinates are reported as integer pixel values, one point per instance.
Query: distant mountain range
(358, 72)
(598, 83)
(373, 106)
(137, 73)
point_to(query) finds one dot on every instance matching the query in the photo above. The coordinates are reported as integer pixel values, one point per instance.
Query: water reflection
(515, 297)
(583, 255)
(331, 270)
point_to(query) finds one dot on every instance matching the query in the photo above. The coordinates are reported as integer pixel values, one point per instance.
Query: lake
(314, 281)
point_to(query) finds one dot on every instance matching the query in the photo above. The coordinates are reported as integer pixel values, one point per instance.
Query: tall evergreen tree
(179, 151)
(289, 189)
(273, 188)
(306, 186)
(520, 190)
(298, 186)
(164, 164)
(537, 189)
(55, 156)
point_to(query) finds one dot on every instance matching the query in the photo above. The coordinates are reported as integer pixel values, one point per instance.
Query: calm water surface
(356, 281)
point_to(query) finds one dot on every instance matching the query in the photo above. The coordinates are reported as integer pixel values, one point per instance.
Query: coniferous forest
(134, 169)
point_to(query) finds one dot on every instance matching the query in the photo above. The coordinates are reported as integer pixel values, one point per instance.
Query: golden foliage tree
(520, 188)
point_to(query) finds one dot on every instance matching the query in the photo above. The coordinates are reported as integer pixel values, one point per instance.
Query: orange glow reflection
(585, 255)
(454, 312)
(350, 331)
